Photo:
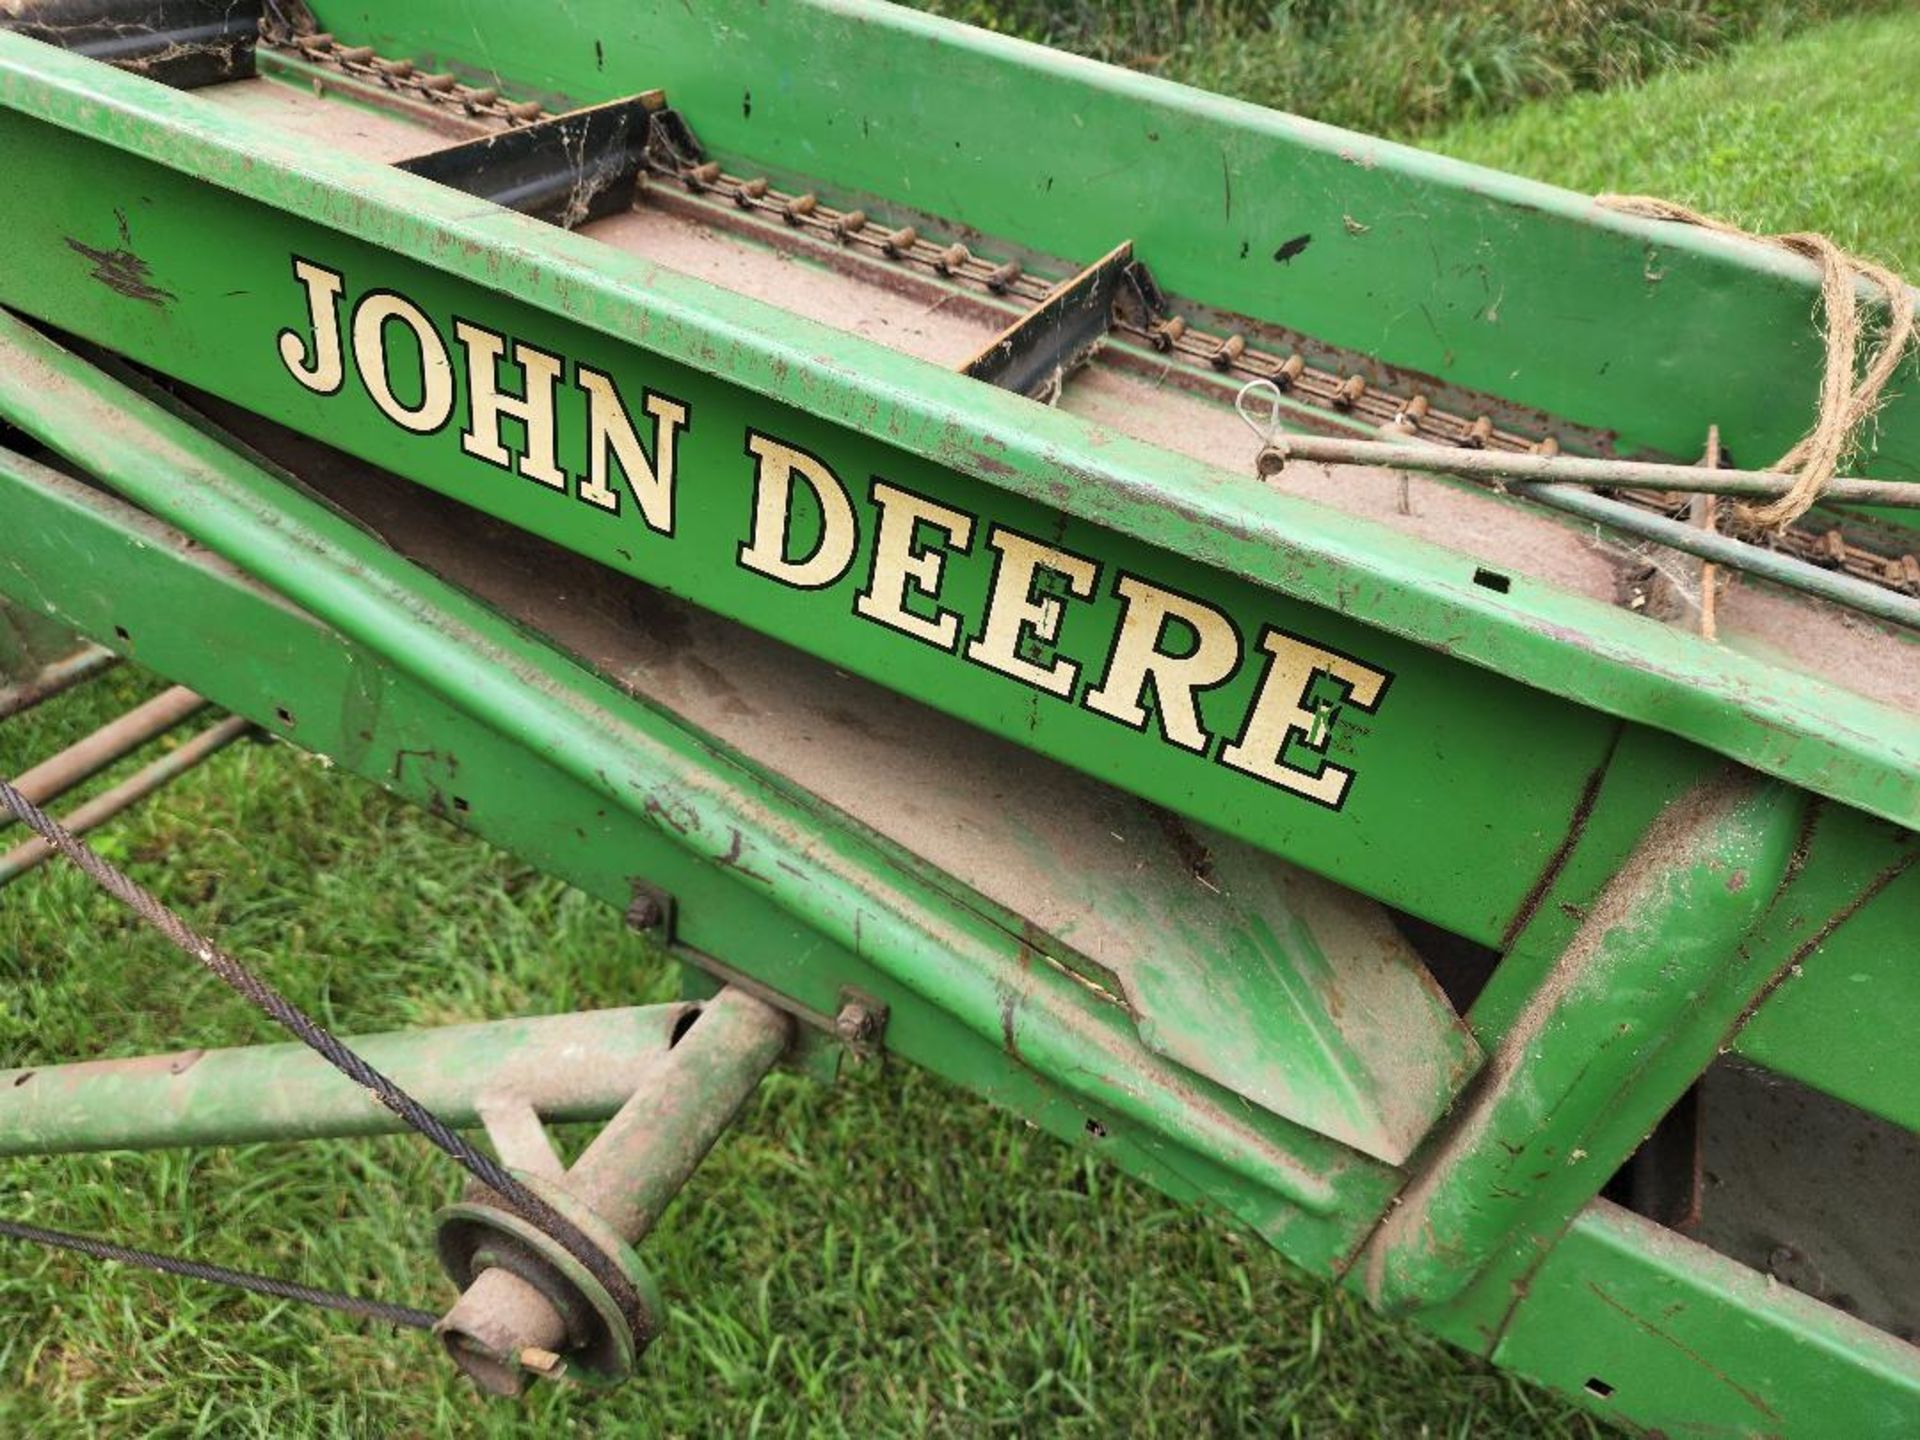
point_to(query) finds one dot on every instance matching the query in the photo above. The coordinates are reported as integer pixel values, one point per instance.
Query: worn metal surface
(1653, 979)
(1507, 785)
(625, 1179)
(1836, 1019)
(566, 170)
(1289, 990)
(957, 976)
(1034, 355)
(582, 1066)
(1202, 529)
(1577, 470)
(1663, 1335)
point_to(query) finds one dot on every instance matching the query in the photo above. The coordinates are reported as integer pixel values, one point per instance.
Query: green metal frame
(1653, 903)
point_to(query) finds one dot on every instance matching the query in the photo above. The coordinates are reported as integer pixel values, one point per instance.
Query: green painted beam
(1659, 1334)
(582, 1066)
(1048, 1048)
(1275, 564)
(1651, 983)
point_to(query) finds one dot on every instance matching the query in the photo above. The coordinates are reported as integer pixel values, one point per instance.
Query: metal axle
(524, 1310)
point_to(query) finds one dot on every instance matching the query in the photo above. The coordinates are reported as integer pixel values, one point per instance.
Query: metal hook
(1265, 431)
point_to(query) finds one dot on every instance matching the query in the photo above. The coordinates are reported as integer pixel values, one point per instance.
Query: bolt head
(855, 1023)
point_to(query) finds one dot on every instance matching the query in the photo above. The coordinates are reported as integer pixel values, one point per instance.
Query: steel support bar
(130, 792)
(1654, 981)
(53, 777)
(1831, 585)
(1838, 587)
(57, 678)
(1572, 470)
(626, 1177)
(583, 1066)
(898, 918)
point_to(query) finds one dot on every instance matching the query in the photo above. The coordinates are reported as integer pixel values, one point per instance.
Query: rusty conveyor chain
(1347, 396)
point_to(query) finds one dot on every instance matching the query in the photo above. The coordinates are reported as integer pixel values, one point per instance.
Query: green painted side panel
(1841, 1017)
(968, 433)
(1435, 820)
(1686, 1342)
(192, 618)
(1481, 279)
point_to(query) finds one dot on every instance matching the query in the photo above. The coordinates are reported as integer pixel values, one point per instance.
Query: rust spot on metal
(1694, 1355)
(121, 270)
(1576, 827)
(1820, 937)
(732, 859)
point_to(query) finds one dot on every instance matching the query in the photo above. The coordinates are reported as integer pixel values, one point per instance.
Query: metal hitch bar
(529, 1307)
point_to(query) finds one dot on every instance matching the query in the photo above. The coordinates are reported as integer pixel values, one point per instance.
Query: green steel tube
(1637, 1005)
(637, 1164)
(898, 920)
(583, 1066)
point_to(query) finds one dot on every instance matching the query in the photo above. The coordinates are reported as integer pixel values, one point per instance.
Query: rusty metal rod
(128, 793)
(627, 1176)
(1572, 470)
(54, 776)
(54, 678)
(1831, 585)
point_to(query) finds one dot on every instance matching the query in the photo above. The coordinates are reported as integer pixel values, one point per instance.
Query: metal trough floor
(917, 316)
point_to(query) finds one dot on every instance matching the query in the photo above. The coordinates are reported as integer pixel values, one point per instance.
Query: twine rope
(1852, 386)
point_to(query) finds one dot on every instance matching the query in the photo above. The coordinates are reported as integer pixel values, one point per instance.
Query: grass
(1815, 133)
(1392, 67)
(826, 1270)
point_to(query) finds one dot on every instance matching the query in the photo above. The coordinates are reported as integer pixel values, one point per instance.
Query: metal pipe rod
(1572, 470)
(1833, 585)
(30, 854)
(567, 1067)
(59, 675)
(638, 1163)
(57, 774)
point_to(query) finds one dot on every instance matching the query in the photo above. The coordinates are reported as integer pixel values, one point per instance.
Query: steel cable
(404, 1317)
(480, 1166)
